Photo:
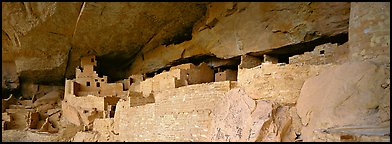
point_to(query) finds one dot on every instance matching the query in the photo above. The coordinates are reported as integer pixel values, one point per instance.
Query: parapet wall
(181, 75)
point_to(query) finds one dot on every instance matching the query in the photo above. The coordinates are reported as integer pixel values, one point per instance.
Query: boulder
(237, 117)
(50, 98)
(352, 99)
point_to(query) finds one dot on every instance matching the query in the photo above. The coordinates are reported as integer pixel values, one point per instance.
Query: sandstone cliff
(196, 71)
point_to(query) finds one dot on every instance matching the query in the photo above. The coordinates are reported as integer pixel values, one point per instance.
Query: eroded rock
(370, 32)
(241, 28)
(349, 95)
(46, 40)
(9, 79)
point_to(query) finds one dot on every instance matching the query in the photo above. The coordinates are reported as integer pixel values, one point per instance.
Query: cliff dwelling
(195, 72)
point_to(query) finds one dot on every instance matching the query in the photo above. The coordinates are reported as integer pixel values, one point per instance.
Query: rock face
(240, 118)
(9, 79)
(47, 39)
(281, 84)
(353, 98)
(369, 32)
(265, 72)
(233, 29)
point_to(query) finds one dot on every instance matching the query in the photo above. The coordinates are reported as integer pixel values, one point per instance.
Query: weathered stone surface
(369, 32)
(248, 61)
(341, 98)
(29, 90)
(233, 29)
(54, 119)
(33, 120)
(70, 113)
(48, 127)
(19, 118)
(180, 114)
(349, 97)
(226, 75)
(237, 117)
(281, 84)
(9, 78)
(50, 98)
(322, 54)
(47, 39)
(27, 136)
(85, 137)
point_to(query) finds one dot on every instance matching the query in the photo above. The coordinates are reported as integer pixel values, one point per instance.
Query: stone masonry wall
(322, 54)
(280, 83)
(181, 114)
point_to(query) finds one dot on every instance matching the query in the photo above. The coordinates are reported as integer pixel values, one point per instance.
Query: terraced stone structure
(197, 71)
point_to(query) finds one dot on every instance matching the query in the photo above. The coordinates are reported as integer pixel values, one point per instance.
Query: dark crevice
(196, 60)
(113, 65)
(226, 67)
(232, 64)
(67, 64)
(283, 53)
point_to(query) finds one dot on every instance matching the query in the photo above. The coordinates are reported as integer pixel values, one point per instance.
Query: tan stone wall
(181, 114)
(19, 118)
(201, 74)
(281, 83)
(248, 61)
(226, 75)
(88, 60)
(184, 66)
(135, 123)
(86, 102)
(103, 125)
(322, 54)
(146, 87)
(270, 59)
(182, 75)
(111, 89)
(137, 99)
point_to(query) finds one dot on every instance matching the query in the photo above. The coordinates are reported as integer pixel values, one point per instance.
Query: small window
(98, 84)
(92, 59)
(87, 83)
(102, 80)
(322, 52)
(96, 80)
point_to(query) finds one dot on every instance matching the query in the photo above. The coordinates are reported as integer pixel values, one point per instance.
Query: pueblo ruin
(196, 72)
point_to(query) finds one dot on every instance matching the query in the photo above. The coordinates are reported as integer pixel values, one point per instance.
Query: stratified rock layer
(233, 29)
(46, 40)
